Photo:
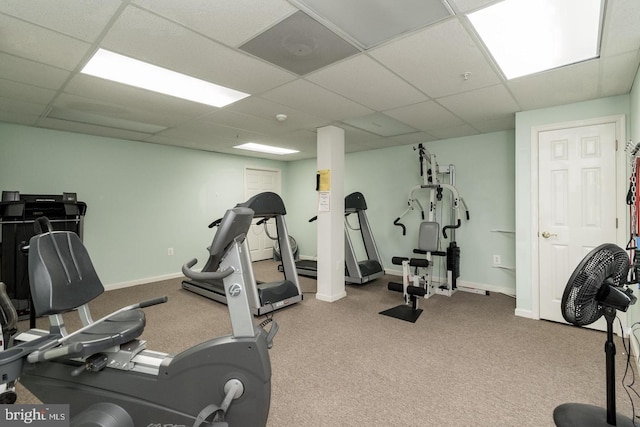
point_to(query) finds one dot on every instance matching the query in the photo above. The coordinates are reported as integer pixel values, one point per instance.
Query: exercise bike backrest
(62, 276)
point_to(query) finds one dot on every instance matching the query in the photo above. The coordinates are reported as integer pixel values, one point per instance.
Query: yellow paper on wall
(323, 180)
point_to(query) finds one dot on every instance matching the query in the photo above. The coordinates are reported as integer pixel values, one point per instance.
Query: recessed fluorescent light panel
(252, 146)
(122, 69)
(529, 36)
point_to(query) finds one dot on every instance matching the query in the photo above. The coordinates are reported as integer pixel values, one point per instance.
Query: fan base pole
(582, 415)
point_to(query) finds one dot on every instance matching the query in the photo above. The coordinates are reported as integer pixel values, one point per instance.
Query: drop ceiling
(433, 81)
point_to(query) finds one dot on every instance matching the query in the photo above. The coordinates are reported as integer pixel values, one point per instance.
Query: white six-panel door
(577, 205)
(258, 181)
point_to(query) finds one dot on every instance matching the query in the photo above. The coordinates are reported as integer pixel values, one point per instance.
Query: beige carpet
(467, 361)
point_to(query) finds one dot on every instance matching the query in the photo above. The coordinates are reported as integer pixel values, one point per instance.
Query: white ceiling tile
(470, 5)
(138, 33)
(83, 19)
(203, 131)
(354, 135)
(11, 116)
(425, 116)
(412, 138)
(435, 60)
(556, 87)
(43, 45)
(617, 73)
(263, 108)
(224, 20)
(481, 104)
(30, 72)
(495, 125)
(299, 139)
(180, 142)
(91, 129)
(23, 92)
(315, 100)
(354, 79)
(21, 108)
(454, 132)
(622, 32)
(32, 42)
(374, 144)
(250, 123)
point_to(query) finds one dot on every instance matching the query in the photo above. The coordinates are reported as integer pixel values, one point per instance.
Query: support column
(331, 215)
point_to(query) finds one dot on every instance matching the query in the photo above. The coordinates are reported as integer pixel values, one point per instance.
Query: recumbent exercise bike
(106, 374)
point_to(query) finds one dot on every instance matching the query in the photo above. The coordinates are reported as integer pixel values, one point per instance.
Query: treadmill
(264, 297)
(356, 272)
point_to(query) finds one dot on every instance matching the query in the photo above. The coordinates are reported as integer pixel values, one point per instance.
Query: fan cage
(606, 263)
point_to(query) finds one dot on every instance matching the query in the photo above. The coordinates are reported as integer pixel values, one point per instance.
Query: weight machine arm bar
(444, 229)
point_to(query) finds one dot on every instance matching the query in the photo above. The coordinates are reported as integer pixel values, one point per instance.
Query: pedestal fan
(596, 288)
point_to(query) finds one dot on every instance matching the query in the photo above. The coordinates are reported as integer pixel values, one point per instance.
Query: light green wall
(485, 179)
(525, 121)
(142, 198)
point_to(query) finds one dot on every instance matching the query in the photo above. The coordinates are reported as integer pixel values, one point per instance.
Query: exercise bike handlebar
(215, 223)
(209, 275)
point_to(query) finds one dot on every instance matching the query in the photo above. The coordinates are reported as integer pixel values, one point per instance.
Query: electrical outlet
(497, 260)
(170, 251)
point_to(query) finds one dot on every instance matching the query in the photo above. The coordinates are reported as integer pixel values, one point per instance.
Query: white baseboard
(137, 282)
(465, 284)
(524, 313)
(331, 298)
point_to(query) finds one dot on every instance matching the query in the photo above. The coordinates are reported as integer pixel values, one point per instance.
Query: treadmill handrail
(208, 275)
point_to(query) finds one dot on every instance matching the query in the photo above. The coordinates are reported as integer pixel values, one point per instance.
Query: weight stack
(453, 259)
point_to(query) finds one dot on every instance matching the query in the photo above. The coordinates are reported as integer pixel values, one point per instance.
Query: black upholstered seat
(62, 278)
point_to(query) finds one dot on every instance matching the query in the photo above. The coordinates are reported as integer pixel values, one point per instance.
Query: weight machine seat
(428, 236)
(62, 278)
(117, 329)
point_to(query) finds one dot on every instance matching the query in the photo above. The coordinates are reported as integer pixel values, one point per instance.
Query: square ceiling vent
(370, 23)
(299, 44)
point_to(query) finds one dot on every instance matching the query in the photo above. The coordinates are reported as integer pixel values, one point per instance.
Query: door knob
(546, 235)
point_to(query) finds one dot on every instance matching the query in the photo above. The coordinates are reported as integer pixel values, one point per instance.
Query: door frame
(621, 180)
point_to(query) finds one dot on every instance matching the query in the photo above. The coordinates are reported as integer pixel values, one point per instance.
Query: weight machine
(633, 201)
(417, 274)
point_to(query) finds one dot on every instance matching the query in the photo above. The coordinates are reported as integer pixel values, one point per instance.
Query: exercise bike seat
(113, 331)
(62, 278)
